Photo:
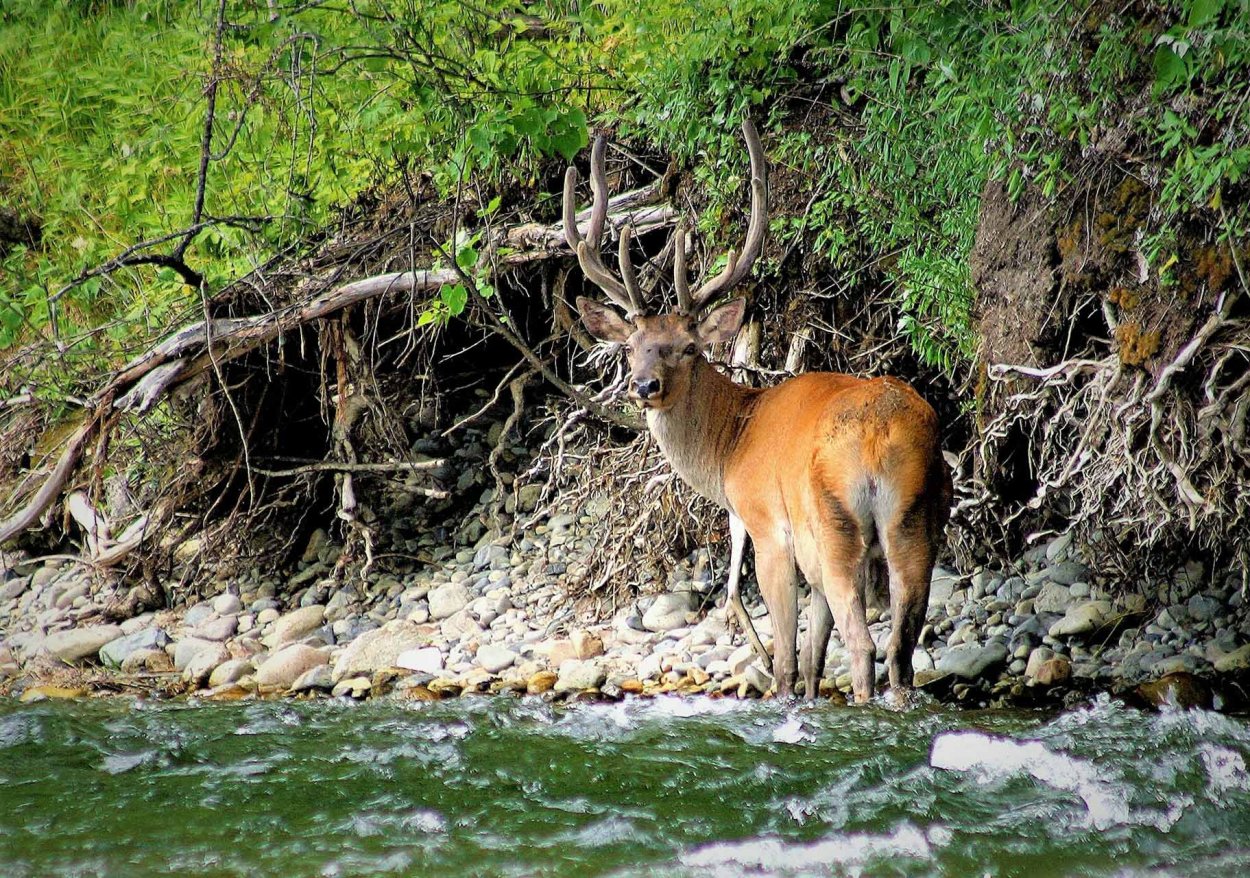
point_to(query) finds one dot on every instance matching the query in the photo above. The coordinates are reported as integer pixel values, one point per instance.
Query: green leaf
(1169, 67)
(455, 298)
(1203, 12)
(466, 258)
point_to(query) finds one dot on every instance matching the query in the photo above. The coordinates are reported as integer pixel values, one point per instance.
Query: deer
(833, 476)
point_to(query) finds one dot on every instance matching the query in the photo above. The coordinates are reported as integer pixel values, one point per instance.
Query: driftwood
(200, 346)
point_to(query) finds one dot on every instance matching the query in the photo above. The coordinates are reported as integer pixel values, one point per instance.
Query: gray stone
(1081, 619)
(204, 662)
(669, 611)
(970, 661)
(187, 648)
(230, 671)
(297, 624)
(1067, 572)
(314, 678)
(449, 599)
(494, 658)
(80, 643)
(942, 585)
(576, 676)
(219, 628)
(14, 588)
(197, 614)
(227, 604)
(1079, 590)
(1053, 598)
(117, 651)
(1057, 549)
(1038, 657)
(1237, 660)
(1203, 608)
(288, 664)
(379, 648)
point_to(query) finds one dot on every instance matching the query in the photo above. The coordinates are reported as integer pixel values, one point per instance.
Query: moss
(1136, 346)
(1125, 298)
(1214, 264)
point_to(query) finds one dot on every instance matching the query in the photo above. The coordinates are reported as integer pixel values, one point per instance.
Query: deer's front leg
(774, 565)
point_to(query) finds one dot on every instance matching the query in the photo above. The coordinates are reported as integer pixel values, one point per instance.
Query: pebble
(282, 668)
(77, 644)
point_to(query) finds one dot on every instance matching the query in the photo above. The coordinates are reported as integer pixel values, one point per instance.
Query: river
(663, 787)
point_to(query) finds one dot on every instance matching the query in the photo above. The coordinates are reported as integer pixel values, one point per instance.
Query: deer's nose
(644, 388)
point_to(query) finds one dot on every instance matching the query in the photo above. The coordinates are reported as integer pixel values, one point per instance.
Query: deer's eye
(691, 350)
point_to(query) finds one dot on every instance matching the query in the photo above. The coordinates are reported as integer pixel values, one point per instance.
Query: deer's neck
(699, 432)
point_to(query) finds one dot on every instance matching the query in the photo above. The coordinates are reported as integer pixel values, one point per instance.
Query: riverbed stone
(77, 644)
(1081, 619)
(152, 661)
(296, 624)
(380, 647)
(204, 662)
(447, 600)
(227, 604)
(319, 677)
(230, 671)
(285, 666)
(423, 660)
(668, 611)
(1237, 660)
(576, 675)
(216, 628)
(1052, 598)
(114, 653)
(585, 644)
(971, 660)
(495, 658)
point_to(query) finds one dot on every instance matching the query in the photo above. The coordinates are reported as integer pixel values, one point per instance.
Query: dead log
(198, 347)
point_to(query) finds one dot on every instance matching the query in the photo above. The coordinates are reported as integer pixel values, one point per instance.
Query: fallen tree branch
(194, 349)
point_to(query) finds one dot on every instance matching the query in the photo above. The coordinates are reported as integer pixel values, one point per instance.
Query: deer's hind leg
(819, 626)
(910, 557)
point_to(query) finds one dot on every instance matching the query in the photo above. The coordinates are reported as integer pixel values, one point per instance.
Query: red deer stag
(837, 476)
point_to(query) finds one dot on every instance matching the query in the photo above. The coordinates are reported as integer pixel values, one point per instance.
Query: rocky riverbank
(457, 612)
(500, 618)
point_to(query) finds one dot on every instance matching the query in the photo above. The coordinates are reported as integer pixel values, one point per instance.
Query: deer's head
(662, 348)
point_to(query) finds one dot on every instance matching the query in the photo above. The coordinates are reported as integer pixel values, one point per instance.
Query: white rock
(449, 599)
(230, 672)
(227, 604)
(494, 658)
(576, 675)
(669, 611)
(379, 648)
(423, 660)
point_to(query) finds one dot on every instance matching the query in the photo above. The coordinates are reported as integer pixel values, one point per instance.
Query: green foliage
(906, 111)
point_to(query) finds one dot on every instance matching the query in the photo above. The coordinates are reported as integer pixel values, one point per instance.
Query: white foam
(1226, 769)
(792, 731)
(991, 758)
(771, 854)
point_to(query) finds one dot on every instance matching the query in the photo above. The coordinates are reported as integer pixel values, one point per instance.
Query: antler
(627, 295)
(736, 266)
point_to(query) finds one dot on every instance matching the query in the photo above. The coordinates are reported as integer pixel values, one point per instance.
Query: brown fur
(833, 476)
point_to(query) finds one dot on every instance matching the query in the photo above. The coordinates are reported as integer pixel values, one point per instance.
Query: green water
(662, 788)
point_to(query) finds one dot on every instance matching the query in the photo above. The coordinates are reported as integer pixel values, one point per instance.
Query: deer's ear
(602, 322)
(723, 323)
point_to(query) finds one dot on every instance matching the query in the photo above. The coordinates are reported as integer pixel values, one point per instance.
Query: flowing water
(663, 787)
